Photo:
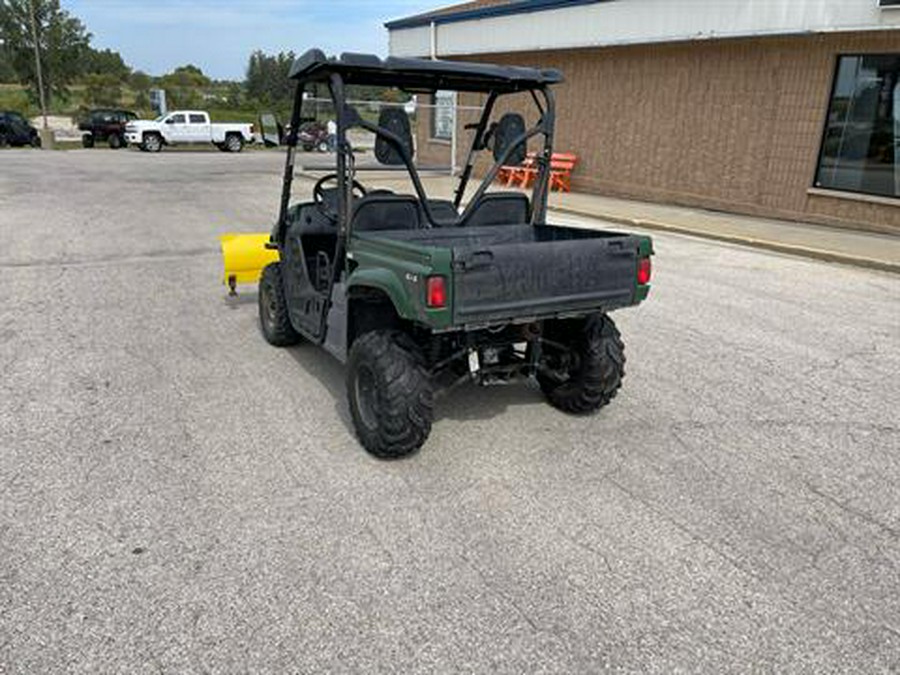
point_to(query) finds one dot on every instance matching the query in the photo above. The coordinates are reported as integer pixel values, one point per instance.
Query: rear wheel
(390, 393)
(35, 141)
(273, 311)
(583, 365)
(115, 141)
(87, 141)
(234, 143)
(323, 146)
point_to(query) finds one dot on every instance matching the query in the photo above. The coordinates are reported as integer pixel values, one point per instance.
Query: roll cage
(419, 75)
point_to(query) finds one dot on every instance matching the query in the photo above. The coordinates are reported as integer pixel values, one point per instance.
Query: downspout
(433, 27)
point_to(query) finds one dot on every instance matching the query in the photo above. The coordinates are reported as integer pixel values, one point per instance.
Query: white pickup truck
(187, 126)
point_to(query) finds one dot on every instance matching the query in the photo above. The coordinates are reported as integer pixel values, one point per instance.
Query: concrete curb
(779, 247)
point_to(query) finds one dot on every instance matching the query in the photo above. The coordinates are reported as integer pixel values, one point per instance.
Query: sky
(218, 35)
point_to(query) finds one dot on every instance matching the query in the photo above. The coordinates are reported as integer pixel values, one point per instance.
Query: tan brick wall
(726, 124)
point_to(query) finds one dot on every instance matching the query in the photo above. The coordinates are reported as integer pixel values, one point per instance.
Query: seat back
(442, 210)
(500, 208)
(385, 212)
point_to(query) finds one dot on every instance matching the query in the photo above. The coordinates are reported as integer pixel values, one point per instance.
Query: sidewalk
(863, 249)
(877, 251)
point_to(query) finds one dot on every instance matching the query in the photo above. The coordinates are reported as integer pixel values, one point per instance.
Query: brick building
(782, 108)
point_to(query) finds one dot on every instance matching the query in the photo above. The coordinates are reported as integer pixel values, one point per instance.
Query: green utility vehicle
(417, 294)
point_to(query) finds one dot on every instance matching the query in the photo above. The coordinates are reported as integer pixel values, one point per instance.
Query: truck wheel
(586, 375)
(390, 394)
(87, 141)
(115, 142)
(152, 143)
(323, 146)
(234, 143)
(273, 311)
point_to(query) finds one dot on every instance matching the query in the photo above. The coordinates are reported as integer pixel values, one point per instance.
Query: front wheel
(115, 142)
(583, 364)
(87, 141)
(273, 310)
(390, 394)
(152, 143)
(35, 141)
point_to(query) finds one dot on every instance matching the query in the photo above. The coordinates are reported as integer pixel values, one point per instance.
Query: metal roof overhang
(485, 12)
(420, 74)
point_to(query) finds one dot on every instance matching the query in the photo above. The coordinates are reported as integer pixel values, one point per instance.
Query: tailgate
(532, 279)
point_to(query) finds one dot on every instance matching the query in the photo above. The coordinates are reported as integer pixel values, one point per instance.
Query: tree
(140, 81)
(106, 62)
(184, 86)
(63, 43)
(7, 72)
(268, 82)
(103, 90)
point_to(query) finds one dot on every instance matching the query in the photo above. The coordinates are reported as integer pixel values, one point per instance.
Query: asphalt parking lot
(178, 496)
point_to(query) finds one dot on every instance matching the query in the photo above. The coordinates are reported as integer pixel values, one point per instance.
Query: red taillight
(643, 271)
(436, 292)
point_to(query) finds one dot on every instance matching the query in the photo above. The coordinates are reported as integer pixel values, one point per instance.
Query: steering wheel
(324, 198)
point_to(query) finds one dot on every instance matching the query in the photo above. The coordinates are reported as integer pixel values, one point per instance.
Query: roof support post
(280, 226)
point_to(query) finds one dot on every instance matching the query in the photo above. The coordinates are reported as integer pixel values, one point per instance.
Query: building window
(861, 148)
(442, 115)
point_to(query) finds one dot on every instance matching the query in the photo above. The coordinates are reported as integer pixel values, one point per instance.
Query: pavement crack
(846, 508)
(585, 547)
(520, 612)
(693, 536)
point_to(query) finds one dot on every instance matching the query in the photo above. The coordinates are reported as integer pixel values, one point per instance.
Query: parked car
(188, 127)
(17, 131)
(105, 126)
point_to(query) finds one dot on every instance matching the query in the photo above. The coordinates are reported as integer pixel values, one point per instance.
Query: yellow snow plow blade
(245, 256)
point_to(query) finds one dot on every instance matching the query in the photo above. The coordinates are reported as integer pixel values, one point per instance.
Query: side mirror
(170, 120)
(395, 121)
(510, 126)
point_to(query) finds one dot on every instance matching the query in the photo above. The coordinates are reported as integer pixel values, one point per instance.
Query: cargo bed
(522, 271)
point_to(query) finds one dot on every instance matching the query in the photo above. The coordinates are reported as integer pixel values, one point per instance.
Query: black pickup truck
(416, 294)
(105, 126)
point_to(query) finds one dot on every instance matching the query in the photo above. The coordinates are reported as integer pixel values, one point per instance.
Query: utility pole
(37, 62)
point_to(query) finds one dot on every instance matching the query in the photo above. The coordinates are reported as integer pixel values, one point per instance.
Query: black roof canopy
(421, 74)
